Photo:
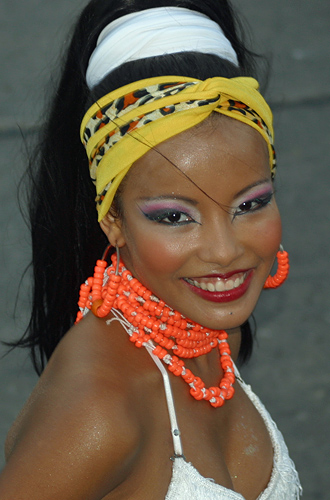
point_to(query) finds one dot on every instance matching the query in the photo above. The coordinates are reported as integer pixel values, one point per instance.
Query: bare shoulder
(77, 430)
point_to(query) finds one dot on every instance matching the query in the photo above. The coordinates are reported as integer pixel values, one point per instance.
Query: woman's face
(204, 244)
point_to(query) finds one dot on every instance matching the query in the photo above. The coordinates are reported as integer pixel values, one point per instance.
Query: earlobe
(112, 228)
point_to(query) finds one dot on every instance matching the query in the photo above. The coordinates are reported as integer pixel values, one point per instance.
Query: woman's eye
(170, 217)
(253, 205)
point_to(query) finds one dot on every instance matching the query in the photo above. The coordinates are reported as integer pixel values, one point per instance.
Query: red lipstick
(226, 295)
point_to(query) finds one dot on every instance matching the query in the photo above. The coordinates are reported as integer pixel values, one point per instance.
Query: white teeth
(220, 285)
(237, 282)
(229, 285)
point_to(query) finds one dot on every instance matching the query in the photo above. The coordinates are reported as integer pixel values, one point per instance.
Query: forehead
(220, 151)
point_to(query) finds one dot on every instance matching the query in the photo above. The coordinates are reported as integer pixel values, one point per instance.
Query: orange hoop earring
(102, 304)
(92, 292)
(282, 270)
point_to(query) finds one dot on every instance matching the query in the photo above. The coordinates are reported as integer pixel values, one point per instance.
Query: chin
(229, 318)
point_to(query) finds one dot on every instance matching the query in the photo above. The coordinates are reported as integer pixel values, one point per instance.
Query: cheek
(267, 235)
(161, 256)
(155, 251)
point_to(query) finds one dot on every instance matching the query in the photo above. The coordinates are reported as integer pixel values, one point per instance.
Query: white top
(188, 484)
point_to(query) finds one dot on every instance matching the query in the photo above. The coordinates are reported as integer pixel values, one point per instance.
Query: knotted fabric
(125, 124)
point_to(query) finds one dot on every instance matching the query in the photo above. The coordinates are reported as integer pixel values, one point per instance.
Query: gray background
(290, 367)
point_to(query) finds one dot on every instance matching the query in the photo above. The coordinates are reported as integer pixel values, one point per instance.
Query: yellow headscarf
(126, 123)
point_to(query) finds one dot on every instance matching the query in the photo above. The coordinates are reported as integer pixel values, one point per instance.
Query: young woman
(141, 399)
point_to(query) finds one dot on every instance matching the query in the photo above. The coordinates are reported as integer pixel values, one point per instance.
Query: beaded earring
(282, 270)
(90, 294)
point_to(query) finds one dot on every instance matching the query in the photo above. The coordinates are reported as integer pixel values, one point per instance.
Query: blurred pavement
(290, 369)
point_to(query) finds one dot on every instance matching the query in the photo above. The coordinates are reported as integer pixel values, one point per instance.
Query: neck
(234, 341)
(150, 323)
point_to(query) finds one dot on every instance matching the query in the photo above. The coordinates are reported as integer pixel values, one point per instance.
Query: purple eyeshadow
(159, 206)
(259, 194)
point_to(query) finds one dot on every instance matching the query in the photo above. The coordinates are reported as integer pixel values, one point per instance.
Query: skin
(96, 426)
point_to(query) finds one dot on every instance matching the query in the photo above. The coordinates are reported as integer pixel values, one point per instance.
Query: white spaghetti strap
(178, 452)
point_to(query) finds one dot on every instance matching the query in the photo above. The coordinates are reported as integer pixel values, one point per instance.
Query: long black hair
(66, 237)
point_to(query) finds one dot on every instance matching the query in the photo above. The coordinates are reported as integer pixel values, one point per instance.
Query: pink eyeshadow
(163, 205)
(259, 193)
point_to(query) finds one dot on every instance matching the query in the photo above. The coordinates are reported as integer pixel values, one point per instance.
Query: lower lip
(226, 295)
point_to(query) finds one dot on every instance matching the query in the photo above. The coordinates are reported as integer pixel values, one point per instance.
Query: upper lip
(223, 276)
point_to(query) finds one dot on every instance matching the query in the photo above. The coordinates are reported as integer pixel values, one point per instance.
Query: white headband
(156, 32)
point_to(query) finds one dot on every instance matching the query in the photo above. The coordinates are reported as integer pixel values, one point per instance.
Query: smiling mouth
(218, 284)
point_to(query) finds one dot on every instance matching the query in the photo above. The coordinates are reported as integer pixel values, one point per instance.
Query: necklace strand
(149, 321)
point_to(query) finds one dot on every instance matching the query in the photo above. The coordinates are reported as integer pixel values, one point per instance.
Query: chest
(232, 446)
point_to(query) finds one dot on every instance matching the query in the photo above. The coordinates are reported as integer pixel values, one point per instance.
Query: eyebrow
(193, 202)
(266, 180)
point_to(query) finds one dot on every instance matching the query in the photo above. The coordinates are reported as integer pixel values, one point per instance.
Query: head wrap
(126, 123)
(155, 32)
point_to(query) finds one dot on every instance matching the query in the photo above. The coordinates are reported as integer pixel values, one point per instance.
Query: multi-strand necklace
(150, 322)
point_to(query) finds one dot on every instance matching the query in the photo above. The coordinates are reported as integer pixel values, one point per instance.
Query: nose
(220, 241)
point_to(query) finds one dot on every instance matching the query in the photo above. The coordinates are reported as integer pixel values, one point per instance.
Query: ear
(112, 228)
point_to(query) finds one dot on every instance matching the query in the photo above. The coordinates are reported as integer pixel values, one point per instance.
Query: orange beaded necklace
(149, 321)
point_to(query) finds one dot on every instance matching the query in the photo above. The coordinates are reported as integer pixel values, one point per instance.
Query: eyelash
(261, 202)
(162, 215)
